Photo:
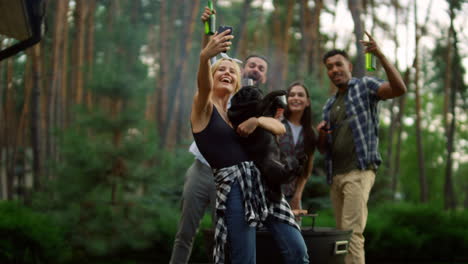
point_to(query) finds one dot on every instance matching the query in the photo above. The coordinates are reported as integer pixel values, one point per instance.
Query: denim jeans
(241, 236)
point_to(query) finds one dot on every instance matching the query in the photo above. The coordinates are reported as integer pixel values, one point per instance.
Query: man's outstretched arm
(395, 85)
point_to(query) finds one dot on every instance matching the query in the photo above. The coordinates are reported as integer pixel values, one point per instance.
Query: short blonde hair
(236, 68)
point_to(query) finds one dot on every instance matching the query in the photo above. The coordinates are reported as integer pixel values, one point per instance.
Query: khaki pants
(349, 194)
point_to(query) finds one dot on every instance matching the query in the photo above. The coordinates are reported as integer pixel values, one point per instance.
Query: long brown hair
(310, 136)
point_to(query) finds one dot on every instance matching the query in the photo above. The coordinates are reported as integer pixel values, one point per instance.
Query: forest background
(94, 128)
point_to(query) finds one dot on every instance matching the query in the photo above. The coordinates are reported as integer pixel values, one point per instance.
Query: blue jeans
(241, 236)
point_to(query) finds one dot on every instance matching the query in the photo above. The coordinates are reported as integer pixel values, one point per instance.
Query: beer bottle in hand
(210, 24)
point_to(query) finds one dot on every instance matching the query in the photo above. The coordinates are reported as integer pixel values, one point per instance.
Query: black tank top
(219, 143)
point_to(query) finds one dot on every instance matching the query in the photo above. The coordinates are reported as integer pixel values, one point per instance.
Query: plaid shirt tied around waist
(362, 108)
(256, 205)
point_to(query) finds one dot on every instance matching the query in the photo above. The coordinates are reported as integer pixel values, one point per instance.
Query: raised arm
(218, 43)
(204, 78)
(395, 85)
(271, 124)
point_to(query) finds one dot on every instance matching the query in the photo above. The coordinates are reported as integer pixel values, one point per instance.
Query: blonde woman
(241, 203)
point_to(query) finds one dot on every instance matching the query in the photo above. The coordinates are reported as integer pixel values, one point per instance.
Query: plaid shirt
(256, 204)
(361, 105)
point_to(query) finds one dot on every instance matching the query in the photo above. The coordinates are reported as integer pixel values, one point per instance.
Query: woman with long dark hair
(299, 140)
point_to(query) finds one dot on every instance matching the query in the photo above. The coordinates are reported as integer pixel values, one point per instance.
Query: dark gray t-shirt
(344, 157)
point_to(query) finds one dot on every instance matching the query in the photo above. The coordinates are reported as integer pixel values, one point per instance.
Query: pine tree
(110, 185)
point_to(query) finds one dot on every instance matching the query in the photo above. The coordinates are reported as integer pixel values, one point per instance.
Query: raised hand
(371, 45)
(218, 43)
(206, 14)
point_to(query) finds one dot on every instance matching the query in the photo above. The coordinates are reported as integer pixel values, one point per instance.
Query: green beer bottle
(210, 24)
(370, 62)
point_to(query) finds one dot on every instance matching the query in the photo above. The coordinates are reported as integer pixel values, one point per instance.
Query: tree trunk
(316, 51)
(19, 149)
(281, 42)
(393, 115)
(90, 21)
(465, 204)
(117, 168)
(277, 39)
(36, 117)
(152, 96)
(449, 195)
(241, 33)
(20, 144)
(335, 34)
(2, 86)
(287, 38)
(355, 6)
(163, 80)
(62, 89)
(10, 124)
(57, 72)
(399, 127)
(260, 39)
(306, 44)
(309, 60)
(424, 195)
(44, 80)
(180, 75)
(2, 124)
(81, 13)
(186, 93)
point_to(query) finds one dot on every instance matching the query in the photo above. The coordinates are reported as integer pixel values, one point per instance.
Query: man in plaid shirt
(348, 135)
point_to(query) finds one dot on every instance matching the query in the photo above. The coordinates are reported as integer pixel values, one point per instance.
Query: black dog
(262, 145)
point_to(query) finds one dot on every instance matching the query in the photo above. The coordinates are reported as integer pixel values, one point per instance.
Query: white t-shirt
(196, 152)
(296, 130)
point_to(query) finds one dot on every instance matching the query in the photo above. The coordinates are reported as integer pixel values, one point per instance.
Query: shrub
(415, 232)
(29, 237)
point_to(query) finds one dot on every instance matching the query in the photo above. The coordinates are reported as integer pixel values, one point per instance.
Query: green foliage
(415, 232)
(81, 199)
(114, 192)
(30, 237)
(118, 71)
(316, 194)
(434, 156)
(324, 218)
(439, 61)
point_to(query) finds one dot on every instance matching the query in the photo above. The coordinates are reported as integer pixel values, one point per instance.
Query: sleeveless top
(219, 143)
(221, 147)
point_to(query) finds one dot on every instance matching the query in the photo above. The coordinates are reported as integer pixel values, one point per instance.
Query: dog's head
(271, 102)
(244, 104)
(246, 96)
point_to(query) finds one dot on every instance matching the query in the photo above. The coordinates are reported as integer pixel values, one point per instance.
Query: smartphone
(224, 28)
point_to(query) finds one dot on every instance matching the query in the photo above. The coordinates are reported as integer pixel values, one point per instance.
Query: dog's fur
(262, 145)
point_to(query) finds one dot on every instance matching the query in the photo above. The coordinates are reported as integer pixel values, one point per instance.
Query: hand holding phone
(223, 28)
